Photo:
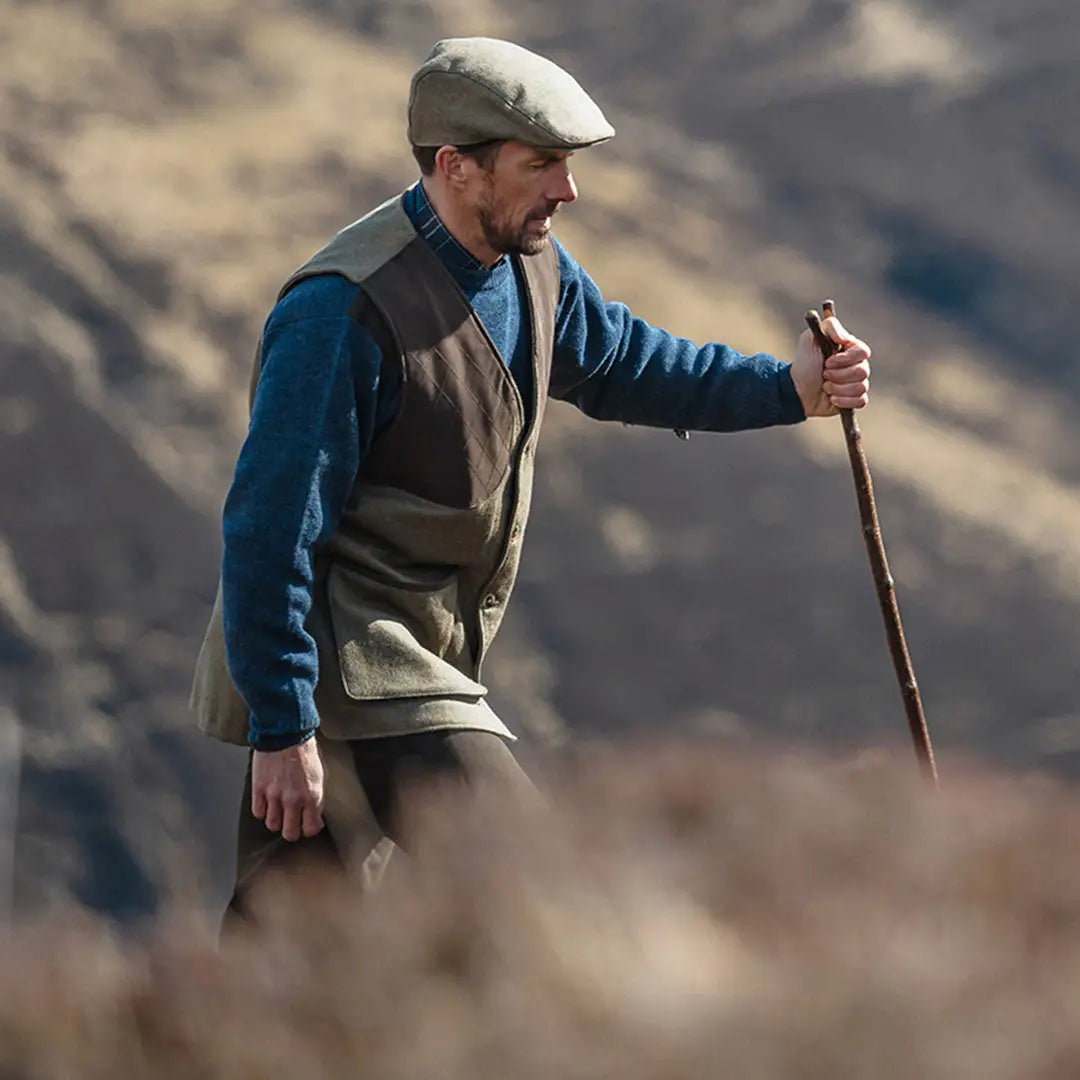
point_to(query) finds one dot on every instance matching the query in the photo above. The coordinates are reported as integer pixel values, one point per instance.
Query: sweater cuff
(791, 406)
(268, 744)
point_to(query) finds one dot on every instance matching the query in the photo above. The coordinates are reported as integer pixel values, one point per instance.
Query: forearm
(614, 366)
(273, 519)
(662, 381)
(272, 659)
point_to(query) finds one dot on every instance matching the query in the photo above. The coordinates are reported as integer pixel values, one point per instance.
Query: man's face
(518, 195)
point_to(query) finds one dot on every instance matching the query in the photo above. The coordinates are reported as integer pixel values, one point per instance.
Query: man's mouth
(543, 219)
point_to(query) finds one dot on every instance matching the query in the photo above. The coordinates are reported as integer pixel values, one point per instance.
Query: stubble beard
(503, 235)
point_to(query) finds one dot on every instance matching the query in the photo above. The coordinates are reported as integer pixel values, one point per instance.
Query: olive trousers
(367, 784)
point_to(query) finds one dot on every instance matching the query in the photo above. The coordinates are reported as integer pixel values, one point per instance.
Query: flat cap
(472, 90)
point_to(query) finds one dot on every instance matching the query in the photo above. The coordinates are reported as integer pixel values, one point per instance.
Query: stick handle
(879, 565)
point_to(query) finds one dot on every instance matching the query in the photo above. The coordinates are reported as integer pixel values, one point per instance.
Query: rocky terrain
(164, 165)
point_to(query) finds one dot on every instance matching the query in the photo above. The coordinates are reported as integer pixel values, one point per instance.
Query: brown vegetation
(676, 914)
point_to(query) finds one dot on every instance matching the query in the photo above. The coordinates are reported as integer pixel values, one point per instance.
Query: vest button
(491, 600)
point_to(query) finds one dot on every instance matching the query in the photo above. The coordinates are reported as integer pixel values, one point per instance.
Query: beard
(509, 237)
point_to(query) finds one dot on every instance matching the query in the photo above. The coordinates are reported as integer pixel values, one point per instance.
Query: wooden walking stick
(883, 580)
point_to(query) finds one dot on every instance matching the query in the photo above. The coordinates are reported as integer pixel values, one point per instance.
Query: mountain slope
(165, 165)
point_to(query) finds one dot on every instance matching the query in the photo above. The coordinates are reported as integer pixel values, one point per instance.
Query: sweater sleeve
(315, 411)
(614, 366)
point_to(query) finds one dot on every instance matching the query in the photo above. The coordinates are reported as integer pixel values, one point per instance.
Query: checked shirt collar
(461, 263)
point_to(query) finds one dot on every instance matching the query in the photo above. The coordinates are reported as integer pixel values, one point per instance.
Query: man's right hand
(841, 382)
(287, 790)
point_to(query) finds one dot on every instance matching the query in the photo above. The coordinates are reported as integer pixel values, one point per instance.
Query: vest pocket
(397, 641)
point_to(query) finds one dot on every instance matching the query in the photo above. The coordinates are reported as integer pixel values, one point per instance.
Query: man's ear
(451, 165)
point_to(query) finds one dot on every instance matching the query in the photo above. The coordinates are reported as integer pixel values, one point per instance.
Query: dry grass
(681, 914)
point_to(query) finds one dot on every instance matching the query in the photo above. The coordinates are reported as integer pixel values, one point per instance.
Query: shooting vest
(410, 589)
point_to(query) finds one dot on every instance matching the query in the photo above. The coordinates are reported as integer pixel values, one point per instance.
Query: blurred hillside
(164, 165)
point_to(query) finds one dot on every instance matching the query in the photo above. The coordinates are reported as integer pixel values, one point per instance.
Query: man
(373, 527)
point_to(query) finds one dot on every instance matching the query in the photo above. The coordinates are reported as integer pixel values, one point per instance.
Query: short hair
(483, 153)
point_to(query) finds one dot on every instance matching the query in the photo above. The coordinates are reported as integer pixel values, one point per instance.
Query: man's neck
(461, 225)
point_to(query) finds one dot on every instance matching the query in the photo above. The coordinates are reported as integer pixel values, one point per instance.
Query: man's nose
(566, 190)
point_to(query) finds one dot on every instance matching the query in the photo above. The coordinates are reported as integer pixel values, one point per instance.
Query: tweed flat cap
(470, 90)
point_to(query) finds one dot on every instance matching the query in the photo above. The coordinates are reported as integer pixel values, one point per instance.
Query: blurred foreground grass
(672, 913)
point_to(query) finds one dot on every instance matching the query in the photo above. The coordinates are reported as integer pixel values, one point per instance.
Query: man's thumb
(834, 328)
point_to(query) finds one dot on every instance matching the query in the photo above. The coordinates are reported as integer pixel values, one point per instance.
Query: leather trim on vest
(365, 314)
(452, 440)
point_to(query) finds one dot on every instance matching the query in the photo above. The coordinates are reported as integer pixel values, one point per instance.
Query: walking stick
(875, 548)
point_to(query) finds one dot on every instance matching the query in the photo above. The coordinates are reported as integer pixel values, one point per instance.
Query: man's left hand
(287, 790)
(842, 382)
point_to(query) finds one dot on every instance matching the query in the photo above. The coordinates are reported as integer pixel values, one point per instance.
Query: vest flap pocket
(394, 641)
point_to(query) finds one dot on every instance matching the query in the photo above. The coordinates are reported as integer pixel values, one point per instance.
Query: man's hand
(287, 790)
(844, 380)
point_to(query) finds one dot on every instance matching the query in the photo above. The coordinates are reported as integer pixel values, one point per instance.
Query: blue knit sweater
(323, 395)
